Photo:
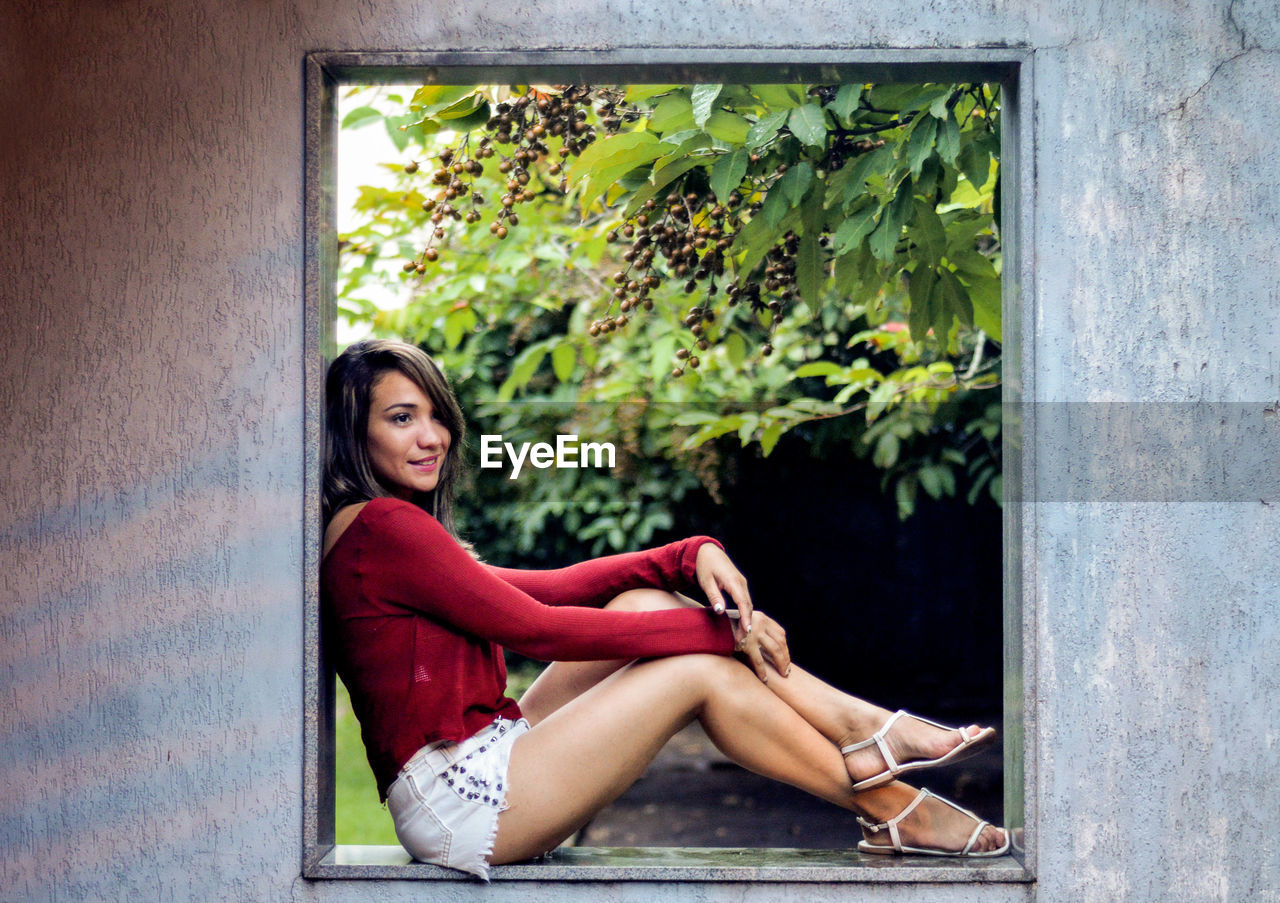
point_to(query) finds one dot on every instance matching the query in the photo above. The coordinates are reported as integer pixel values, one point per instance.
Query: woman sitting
(416, 626)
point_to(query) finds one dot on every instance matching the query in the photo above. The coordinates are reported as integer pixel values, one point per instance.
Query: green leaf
(716, 428)
(846, 100)
(975, 163)
(955, 301)
(948, 139)
(921, 291)
(877, 161)
(461, 109)
(522, 370)
(931, 481)
(929, 96)
(399, 138)
(763, 130)
(735, 348)
(775, 208)
(609, 158)
(886, 451)
(809, 271)
(939, 109)
(673, 113)
(641, 93)
(360, 116)
(903, 206)
(929, 234)
(920, 144)
(660, 179)
(904, 491)
(563, 359)
(685, 139)
(455, 326)
(727, 173)
(884, 238)
(985, 294)
(702, 101)
(660, 357)
(474, 119)
(855, 228)
(817, 368)
(728, 127)
(795, 182)
(809, 125)
(769, 437)
(757, 237)
(778, 97)
(430, 99)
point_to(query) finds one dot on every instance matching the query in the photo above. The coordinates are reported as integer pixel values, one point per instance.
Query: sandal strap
(973, 838)
(892, 824)
(878, 739)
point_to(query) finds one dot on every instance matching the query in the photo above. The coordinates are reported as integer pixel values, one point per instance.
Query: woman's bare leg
(841, 718)
(580, 757)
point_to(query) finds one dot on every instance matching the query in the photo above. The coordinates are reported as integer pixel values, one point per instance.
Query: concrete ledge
(684, 864)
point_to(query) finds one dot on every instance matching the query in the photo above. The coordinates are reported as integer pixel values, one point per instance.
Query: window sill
(685, 864)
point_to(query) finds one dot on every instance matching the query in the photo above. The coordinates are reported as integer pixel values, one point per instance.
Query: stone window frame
(328, 71)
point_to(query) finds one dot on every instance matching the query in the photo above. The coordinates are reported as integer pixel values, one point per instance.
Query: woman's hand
(717, 575)
(766, 642)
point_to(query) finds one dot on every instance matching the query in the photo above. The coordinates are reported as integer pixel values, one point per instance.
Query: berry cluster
(685, 236)
(529, 121)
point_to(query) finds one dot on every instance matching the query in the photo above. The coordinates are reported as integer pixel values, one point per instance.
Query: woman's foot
(932, 825)
(912, 742)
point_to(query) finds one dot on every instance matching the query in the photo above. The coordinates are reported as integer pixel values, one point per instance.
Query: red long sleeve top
(416, 625)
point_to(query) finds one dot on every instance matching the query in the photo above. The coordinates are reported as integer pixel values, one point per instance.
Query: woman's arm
(594, 583)
(412, 562)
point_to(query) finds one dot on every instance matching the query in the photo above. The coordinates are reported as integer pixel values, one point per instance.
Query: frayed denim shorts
(446, 800)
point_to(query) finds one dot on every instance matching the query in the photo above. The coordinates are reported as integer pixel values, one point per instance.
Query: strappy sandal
(866, 846)
(967, 747)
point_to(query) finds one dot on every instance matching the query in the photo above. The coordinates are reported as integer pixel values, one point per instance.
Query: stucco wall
(151, 483)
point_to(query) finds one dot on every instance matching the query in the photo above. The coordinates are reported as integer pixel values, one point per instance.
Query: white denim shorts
(446, 800)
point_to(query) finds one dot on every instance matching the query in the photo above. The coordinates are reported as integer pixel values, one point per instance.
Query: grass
(360, 818)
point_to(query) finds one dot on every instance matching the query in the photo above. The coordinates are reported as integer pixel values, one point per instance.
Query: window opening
(861, 310)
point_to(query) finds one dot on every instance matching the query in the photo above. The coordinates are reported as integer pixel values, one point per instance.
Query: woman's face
(407, 444)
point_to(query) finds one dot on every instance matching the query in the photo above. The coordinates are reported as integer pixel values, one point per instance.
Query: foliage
(688, 269)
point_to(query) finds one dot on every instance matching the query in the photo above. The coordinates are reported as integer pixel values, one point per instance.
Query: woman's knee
(646, 600)
(698, 669)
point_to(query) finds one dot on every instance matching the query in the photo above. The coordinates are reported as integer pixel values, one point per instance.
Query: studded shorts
(446, 800)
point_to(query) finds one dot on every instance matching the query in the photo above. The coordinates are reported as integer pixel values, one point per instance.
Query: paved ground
(692, 796)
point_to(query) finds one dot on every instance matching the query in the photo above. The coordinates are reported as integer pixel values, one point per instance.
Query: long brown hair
(348, 472)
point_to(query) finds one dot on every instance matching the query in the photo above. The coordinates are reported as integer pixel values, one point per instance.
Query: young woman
(416, 626)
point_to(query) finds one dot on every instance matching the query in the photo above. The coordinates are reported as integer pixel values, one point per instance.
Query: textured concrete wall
(151, 482)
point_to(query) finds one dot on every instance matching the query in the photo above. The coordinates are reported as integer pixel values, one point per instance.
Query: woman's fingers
(718, 576)
(742, 599)
(750, 647)
(773, 641)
